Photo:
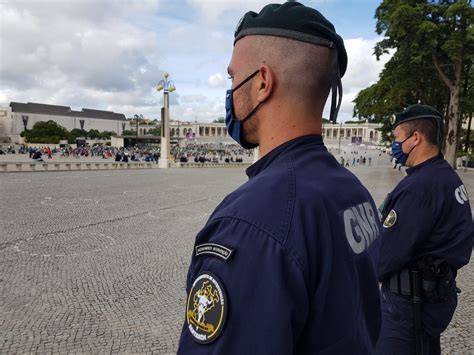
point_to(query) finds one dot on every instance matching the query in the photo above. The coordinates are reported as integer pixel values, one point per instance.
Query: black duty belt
(401, 283)
(435, 286)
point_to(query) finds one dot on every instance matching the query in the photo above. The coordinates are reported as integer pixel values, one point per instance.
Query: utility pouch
(437, 279)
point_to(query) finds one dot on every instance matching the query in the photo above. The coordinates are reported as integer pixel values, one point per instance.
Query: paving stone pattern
(95, 262)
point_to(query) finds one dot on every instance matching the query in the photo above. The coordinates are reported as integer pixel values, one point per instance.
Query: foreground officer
(427, 234)
(282, 267)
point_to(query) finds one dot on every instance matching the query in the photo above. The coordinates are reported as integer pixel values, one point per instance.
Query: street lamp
(25, 121)
(136, 121)
(340, 129)
(167, 86)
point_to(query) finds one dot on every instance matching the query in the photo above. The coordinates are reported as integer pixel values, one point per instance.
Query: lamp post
(136, 121)
(340, 129)
(25, 121)
(167, 86)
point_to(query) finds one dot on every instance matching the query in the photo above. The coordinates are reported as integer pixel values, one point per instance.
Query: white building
(215, 132)
(353, 132)
(18, 116)
(181, 131)
(202, 132)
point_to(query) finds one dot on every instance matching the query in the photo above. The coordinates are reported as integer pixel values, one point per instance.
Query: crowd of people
(197, 153)
(192, 153)
(355, 158)
(359, 161)
(213, 153)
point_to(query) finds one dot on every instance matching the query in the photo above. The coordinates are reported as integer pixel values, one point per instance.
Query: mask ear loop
(245, 80)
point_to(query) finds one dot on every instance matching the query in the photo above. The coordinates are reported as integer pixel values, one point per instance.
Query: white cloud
(216, 81)
(82, 54)
(363, 70)
(193, 98)
(111, 54)
(212, 10)
(91, 11)
(204, 111)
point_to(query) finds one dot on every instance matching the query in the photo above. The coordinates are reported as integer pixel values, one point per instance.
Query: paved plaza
(96, 261)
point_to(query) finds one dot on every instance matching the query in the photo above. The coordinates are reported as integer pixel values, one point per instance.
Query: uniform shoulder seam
(420, 197)
(283, 245)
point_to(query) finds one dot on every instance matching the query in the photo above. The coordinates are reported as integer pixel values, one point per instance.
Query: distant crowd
(197, 153)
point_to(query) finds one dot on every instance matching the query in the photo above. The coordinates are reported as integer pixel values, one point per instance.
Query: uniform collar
(425, 163)
(282, 149)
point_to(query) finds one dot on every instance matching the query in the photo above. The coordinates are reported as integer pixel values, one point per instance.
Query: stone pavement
(96, 261)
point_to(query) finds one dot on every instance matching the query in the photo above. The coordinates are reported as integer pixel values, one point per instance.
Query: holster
(437, 280)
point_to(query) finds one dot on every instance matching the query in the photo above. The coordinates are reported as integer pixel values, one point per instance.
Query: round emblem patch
(206, 308)
(390, 220)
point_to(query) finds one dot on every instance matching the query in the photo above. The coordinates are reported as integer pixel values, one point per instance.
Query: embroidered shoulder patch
(206, 308)
(390, 220)
(213, 249)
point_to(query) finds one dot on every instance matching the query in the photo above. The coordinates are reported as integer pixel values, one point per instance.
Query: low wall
(12, 167)
(212, 165)
(75, 166)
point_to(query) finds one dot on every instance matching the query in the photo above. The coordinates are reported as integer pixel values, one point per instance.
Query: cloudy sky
(110, 54)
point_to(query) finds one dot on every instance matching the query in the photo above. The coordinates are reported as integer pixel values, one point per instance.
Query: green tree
(155, 131)
(219, 120)
(106, 134)
(441, 30)
(467, 100)
(129, 133)
(401, 83)
(77, 132)
(93, 134)
(46, 132)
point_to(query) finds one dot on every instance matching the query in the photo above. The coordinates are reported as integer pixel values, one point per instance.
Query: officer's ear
(418, 138)
(266, 82)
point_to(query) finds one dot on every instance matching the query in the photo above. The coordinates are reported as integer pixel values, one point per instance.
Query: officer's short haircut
(304, 68)
(431, 129)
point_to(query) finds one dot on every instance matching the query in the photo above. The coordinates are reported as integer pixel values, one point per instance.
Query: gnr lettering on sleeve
(361, 226)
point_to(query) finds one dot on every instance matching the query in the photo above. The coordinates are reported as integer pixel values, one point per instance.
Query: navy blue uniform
(430, 215)
(299, 278)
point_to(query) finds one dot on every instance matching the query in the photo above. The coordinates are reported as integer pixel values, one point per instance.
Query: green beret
(296, 21)
(416, 112)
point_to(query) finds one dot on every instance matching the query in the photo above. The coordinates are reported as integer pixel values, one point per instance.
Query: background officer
(427, 228)
(282, 267)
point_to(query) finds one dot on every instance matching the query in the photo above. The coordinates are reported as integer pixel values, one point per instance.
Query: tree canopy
(51, 132)
(433, 45)
(46, 132)
(155, 131)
